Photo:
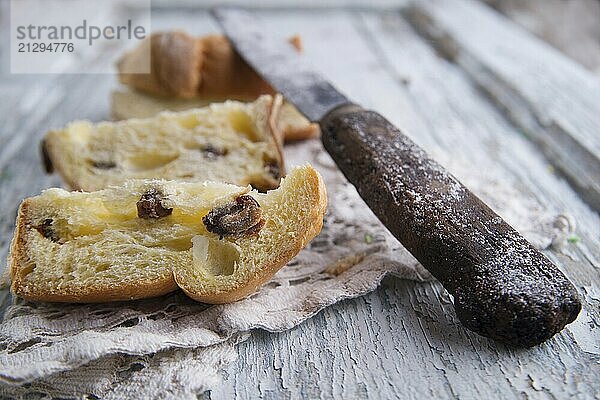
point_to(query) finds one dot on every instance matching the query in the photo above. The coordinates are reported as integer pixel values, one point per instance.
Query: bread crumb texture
(232, 142)
(127, 103)
(147, 237)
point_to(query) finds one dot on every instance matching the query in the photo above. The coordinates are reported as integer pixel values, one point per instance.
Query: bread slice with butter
(216, 241)
(232, 142)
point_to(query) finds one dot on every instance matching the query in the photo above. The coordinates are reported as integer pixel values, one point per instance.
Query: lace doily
(176, 347)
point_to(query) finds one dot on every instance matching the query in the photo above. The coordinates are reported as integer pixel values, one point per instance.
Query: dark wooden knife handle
(503, 288)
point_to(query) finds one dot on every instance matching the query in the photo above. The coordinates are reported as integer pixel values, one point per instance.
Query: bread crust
(276, 133)
(175, 65)
(19, 261)
(185, 66)
(225, 73)
(310, 131)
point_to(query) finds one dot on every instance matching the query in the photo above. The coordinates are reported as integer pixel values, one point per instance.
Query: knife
(503, 288)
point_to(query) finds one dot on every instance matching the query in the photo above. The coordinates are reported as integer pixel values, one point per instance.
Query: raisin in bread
(126, 104)
(216, 241)
(232, 142)
(202, 69)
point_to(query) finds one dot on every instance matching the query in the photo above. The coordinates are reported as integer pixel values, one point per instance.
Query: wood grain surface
(403, 340)
(551, 98)
(578, 19)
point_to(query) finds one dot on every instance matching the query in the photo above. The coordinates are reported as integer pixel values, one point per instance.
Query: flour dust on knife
(503, 287)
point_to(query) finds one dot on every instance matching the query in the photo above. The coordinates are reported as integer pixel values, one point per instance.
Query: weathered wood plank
(571, 26)
(554, 100)
(412, 345)
(283, 4)
(403, 340)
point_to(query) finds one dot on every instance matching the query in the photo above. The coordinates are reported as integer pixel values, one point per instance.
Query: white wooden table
(468, 84)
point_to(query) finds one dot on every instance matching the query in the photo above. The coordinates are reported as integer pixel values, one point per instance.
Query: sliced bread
(216, 241)
(232, 142)
(128, 103)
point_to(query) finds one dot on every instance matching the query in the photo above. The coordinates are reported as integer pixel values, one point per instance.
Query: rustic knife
(503, 288)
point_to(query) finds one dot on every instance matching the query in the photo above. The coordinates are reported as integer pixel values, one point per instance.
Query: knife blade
(503, 287)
